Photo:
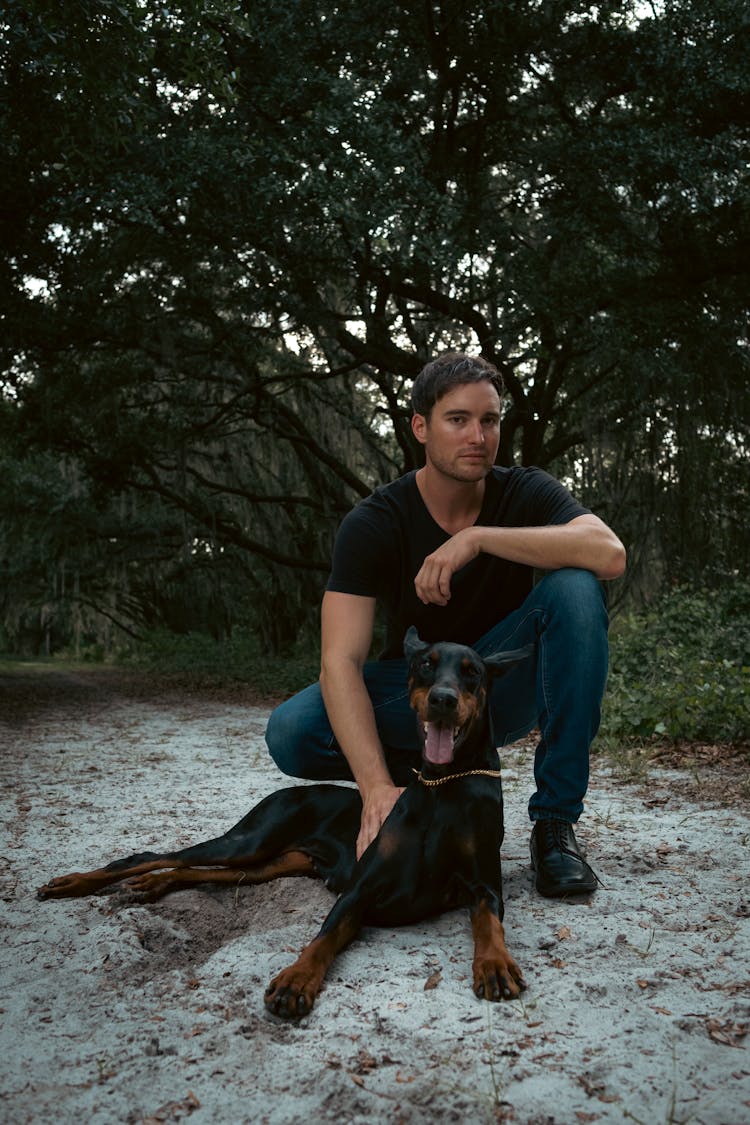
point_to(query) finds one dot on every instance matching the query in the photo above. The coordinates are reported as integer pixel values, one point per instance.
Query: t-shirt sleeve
(362, 553)
(546, 501)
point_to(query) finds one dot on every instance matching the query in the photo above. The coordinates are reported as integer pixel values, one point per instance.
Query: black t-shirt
(382, 543)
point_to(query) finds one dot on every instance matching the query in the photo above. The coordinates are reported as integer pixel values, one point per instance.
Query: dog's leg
(496, 974)
(159, 883)
(79, 883)
(268, 831)
(291, 994)
(219, 852)
(174, 870)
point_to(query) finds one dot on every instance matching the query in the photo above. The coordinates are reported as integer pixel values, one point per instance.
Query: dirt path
(113, 1011)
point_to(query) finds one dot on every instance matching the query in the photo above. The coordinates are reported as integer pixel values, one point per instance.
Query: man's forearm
(352, 718)
(586, 545)
(353, 721)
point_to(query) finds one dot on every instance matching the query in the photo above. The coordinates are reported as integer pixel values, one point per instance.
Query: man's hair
(452, 369)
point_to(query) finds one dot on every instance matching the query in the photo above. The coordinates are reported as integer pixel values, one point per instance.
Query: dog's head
(448, 690)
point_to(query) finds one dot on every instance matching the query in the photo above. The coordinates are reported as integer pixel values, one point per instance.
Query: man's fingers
(372, 820)
(433, 583)
(365, 838)
(444, 582)
(374, 814)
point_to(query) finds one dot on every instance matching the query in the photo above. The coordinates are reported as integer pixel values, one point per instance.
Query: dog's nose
(444, 698)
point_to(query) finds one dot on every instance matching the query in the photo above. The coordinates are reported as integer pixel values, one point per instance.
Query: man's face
(462, 435)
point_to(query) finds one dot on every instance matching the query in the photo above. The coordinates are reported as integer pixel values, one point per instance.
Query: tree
(250, 225)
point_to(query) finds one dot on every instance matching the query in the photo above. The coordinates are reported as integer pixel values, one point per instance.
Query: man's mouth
(439, 743)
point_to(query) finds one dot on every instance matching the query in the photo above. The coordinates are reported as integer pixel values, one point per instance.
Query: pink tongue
(438, 747)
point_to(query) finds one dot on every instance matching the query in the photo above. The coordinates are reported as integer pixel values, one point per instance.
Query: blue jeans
(559, 691)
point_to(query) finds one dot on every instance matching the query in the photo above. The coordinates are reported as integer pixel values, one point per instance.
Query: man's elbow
(334, 668)
(613, 564)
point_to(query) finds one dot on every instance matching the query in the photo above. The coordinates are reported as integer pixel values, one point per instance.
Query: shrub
(680, 669)
(198, 658)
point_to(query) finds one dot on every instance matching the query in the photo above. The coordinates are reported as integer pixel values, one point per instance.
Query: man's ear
(419, 427)
(499, 662)
(413, 643)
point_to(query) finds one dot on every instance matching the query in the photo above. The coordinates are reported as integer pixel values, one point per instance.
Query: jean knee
(300, 739)
(283, 739)
(577, 593)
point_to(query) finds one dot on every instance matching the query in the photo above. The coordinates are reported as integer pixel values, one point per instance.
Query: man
(452, 548)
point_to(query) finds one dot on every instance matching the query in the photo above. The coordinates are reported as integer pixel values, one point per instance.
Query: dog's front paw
(498, 978)
(292, 993)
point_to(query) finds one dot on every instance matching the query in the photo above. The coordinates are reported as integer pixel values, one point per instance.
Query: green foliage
(681, 670)
(199, 659)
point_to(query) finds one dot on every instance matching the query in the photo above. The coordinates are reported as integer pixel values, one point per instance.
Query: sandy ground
(114, 1011)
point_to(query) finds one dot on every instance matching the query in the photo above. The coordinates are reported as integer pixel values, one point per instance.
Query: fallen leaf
(596, 1089)
(172, 1111)
(433, 980)
(727, 1033)
(365, 1062)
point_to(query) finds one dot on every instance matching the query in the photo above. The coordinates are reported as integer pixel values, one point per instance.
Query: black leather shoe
(560, 867)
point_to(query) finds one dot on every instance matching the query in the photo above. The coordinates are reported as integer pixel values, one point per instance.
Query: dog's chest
(423, 866)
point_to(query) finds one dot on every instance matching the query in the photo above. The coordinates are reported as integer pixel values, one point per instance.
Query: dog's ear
(413, 643)
(499, 662)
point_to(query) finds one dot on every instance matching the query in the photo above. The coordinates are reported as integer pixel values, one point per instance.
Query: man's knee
(300, 740)
(577, 594)
(284, 739)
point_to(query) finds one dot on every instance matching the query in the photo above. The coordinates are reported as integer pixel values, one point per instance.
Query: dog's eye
(472, 676)
(425, 666)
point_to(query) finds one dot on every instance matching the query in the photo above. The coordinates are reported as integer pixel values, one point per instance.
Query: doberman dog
(438, 849)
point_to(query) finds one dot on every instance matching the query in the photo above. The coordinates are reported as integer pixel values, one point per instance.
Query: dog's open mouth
(439, 743)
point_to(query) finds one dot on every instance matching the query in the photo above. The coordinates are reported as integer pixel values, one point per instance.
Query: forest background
(232, 232)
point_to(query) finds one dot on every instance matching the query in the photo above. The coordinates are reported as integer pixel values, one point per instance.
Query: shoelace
(559, 834)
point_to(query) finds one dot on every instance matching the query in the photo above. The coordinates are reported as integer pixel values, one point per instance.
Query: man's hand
(433, 582)
(376, 807)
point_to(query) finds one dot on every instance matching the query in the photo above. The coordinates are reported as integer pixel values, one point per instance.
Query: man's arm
(585, 542)
(346, 634)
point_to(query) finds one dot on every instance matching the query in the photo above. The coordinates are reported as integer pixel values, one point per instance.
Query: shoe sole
(564, 891)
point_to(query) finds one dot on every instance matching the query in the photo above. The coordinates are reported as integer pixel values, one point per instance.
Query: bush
(680, 670)
(198, 658)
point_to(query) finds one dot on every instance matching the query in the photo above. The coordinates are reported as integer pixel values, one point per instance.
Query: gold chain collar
(455, 776)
